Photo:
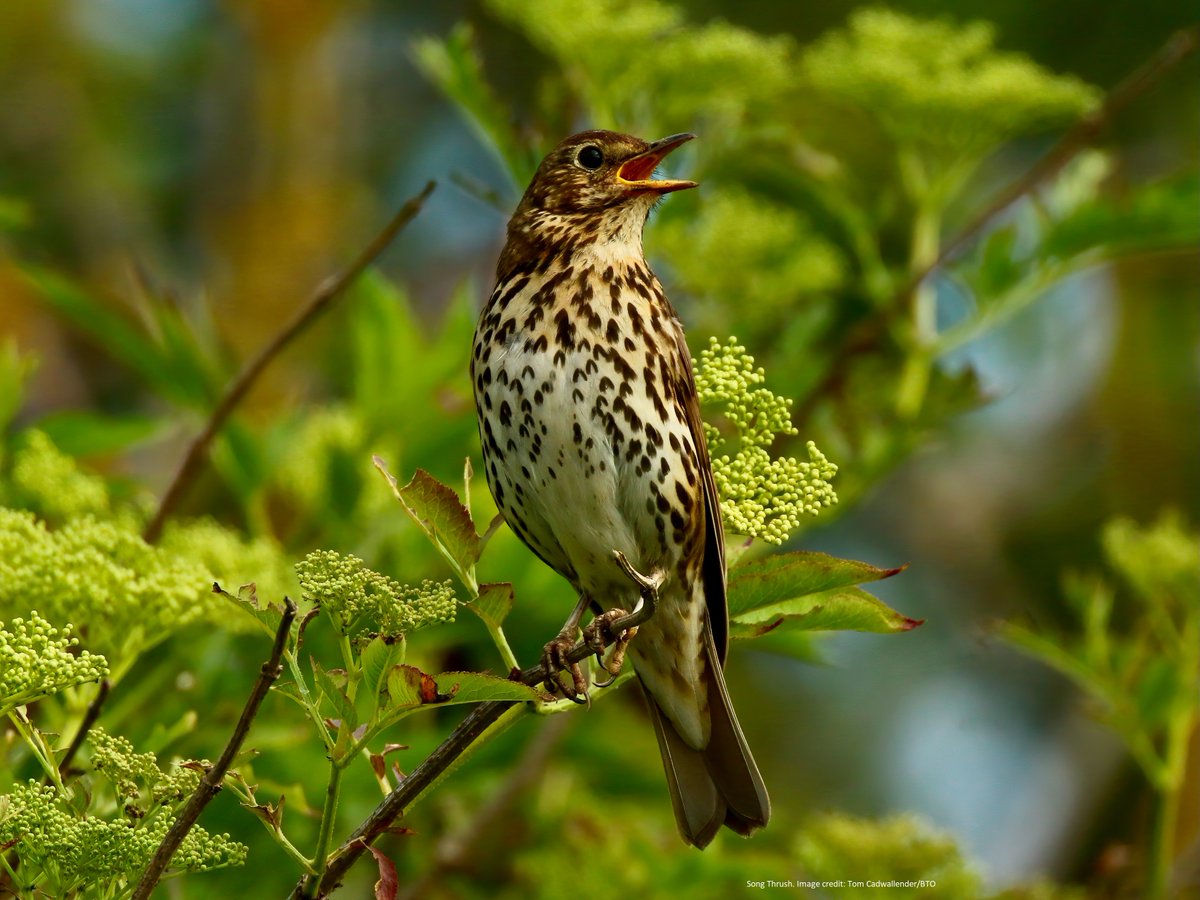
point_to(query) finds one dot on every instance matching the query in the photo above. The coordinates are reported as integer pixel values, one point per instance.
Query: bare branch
(210, 784)
(89, 719)
(320, 301)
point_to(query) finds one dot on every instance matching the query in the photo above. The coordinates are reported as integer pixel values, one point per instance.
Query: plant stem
(506, 652)
(325, 835)
(1166, 812)
(484, 722)
(922, 312)
(42, 752)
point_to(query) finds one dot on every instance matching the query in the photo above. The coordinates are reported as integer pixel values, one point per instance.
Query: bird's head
(600, 170)
(594, 190)
(597, 186)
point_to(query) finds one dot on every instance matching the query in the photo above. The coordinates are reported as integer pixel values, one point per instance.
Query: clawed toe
(555, 660)
(599, 635)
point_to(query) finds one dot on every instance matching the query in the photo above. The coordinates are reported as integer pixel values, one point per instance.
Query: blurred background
(218, 159)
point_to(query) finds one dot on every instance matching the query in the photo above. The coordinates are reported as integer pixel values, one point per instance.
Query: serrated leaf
(455, 66)
(476, 687)
(440, 513)
(840, 609)
(267, 615)
(494, 602)
(785, 576)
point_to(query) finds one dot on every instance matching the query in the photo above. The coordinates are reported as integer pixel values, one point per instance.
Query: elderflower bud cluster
(37, 659)
(359, 599)
(59, 850)
(131, 594)
(232, 558)
(180, 783)
(44, 479)
(766, 497)
(761, 496)
(126, 769)
(937, 85)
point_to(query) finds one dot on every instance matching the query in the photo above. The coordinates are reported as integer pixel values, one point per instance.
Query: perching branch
(210, 784)
(320, 301)
(478, 721)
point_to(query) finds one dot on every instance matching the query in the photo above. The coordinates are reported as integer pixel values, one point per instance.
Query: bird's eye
(590, 157)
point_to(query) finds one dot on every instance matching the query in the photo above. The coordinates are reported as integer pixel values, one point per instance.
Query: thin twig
(210, 784)
(478, 721)
(89, 719)
(320, 301)
(1178, 47)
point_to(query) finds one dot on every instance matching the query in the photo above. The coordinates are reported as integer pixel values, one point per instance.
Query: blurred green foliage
(832, 172)
(1138, 658)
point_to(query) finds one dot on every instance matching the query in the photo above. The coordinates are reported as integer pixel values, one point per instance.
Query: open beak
(637, 172)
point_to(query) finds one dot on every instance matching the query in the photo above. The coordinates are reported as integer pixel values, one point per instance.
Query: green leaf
(440, 513)
(455, 66)
(1153, 217)
(377, 659)
(840, 609)
(1049, 652)
(15, 367)
(998, 268)
(493, 603)
(785, 576)
(265, 615)
(111, 330)
(1156, 692)
(343, 708)
(475, 687)
(87, 433)
(408, 687)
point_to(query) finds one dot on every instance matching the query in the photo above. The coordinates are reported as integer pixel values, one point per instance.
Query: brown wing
(714, 531)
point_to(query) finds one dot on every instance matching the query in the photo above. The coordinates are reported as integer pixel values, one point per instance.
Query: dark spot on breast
(682, 493)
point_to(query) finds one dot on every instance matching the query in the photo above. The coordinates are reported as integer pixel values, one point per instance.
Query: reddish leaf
(388, 884)
(440, 513)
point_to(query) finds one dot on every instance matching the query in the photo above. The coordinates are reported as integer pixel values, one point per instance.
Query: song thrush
(592, 443)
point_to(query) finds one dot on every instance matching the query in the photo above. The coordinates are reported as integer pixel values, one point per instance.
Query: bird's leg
(600, 634)
(554, 657)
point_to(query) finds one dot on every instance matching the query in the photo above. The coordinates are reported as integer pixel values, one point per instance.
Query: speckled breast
(585, 441)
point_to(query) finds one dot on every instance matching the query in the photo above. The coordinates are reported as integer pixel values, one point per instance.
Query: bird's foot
(555, 660)
(599, 636)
